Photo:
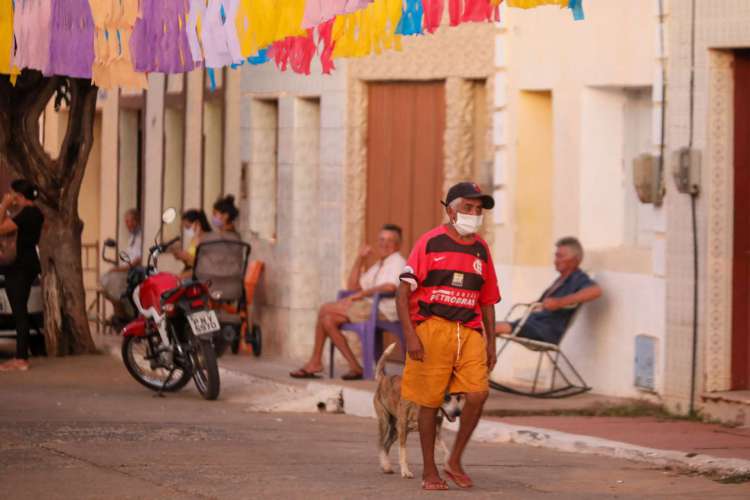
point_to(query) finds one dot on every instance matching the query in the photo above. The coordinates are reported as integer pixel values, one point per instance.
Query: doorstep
(728, 406)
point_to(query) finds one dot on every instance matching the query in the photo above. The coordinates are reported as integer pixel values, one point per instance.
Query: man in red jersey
(446, 302)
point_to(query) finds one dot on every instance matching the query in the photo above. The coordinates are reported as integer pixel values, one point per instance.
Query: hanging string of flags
(118, 42)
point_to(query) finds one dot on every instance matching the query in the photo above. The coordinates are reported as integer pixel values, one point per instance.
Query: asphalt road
(81, 428)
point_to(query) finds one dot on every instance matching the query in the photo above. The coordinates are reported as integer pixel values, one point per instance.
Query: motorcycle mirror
(109, 242)
(169, 215)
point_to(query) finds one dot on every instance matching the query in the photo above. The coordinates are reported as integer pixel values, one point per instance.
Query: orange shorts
(455, 360)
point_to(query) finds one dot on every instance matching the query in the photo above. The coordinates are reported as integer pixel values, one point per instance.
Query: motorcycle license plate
(204, 322)
(4, 303)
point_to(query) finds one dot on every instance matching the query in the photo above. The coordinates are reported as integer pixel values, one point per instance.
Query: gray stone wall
(294, 211)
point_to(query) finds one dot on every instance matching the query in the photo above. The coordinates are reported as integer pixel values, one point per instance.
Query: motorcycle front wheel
(137, 357)
(205, 368)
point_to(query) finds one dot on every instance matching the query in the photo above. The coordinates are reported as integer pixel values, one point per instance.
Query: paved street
(81, 428)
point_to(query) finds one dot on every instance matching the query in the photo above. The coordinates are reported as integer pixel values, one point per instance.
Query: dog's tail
(380, 368)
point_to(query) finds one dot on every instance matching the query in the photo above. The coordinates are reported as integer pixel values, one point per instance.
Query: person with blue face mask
(224, 215)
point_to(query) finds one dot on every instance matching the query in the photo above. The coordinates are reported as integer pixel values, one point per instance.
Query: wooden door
(405, 127)
(741, 260)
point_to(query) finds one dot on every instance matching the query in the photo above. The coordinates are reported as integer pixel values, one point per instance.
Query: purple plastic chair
(370, 334)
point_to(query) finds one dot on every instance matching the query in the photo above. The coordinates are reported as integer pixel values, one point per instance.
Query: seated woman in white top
(382, 277)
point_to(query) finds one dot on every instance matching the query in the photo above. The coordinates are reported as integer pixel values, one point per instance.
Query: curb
(358, 403)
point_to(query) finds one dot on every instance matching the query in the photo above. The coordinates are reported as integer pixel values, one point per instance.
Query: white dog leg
(405, 472)
(385, 463)
(443, 446)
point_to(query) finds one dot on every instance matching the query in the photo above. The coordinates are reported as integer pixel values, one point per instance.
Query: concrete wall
(597, 76)
(293, 140)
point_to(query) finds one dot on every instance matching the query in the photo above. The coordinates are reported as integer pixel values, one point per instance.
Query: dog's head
(452, 406)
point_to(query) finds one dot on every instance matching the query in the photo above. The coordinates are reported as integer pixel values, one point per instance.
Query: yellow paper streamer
(262, 22)
(370, 30)
(530, 4)
(6, 40)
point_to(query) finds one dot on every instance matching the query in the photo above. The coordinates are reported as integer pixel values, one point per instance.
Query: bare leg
(469, 420)
(315, 363)
(427, 428)
(331, 323)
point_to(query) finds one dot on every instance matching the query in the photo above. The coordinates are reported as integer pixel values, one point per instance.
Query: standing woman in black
(21, 274)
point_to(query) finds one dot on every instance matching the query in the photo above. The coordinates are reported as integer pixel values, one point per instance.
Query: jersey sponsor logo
(458, 280)
(438, 259)
(478, 266)
(454, 298)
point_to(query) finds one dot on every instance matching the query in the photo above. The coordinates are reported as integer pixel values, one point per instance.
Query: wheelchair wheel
(255, 339)
(236, 339)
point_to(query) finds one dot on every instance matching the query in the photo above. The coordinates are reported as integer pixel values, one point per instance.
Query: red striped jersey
(450, 278)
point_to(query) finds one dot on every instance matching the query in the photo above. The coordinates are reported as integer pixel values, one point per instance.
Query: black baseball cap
(469, 190)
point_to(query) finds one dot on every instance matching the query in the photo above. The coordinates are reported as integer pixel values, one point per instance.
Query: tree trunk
(66, 326)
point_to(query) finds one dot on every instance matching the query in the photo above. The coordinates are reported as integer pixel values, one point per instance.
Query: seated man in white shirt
(382, 277)
(114, 282)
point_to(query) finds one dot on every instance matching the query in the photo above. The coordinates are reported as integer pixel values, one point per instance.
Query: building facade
(550, 124)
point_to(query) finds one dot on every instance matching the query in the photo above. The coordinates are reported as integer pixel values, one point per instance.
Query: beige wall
(574, 178)
(534, 184)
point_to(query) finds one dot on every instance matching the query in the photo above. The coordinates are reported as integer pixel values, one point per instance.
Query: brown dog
(398, 417)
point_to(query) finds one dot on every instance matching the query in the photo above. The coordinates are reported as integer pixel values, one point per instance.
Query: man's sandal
(302, 373)
(461, 480)
(434, 485)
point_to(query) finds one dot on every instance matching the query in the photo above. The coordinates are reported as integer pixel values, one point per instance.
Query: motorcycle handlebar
(171, 242)
(163, 246)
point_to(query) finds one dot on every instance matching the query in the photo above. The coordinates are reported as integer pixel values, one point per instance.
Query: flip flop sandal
(440, 485)
(302, 373)
(352, 376)
(461, 480)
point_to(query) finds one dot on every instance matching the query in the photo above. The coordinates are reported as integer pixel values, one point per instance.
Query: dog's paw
(406, 474)
(385, 464)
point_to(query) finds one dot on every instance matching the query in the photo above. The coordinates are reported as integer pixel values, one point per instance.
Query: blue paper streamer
(211, 78)
(260, 58)
(577, 7)
(411, 19)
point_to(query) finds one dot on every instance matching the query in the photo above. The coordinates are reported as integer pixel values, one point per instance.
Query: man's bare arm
(586, 295)
(488, 320)
(352, 283)
(413, 344)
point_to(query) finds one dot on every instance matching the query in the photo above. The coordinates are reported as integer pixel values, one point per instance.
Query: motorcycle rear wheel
(205, 368)
(134, 352)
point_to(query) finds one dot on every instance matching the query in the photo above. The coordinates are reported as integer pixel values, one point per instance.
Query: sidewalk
(701, 447)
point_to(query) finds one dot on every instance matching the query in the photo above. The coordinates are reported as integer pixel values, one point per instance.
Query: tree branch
(79, 138)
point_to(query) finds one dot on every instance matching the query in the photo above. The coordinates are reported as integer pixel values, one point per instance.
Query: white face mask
(468, 224)
(188, 235)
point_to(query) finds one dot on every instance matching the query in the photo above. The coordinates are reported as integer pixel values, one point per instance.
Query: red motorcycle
(171, 340)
